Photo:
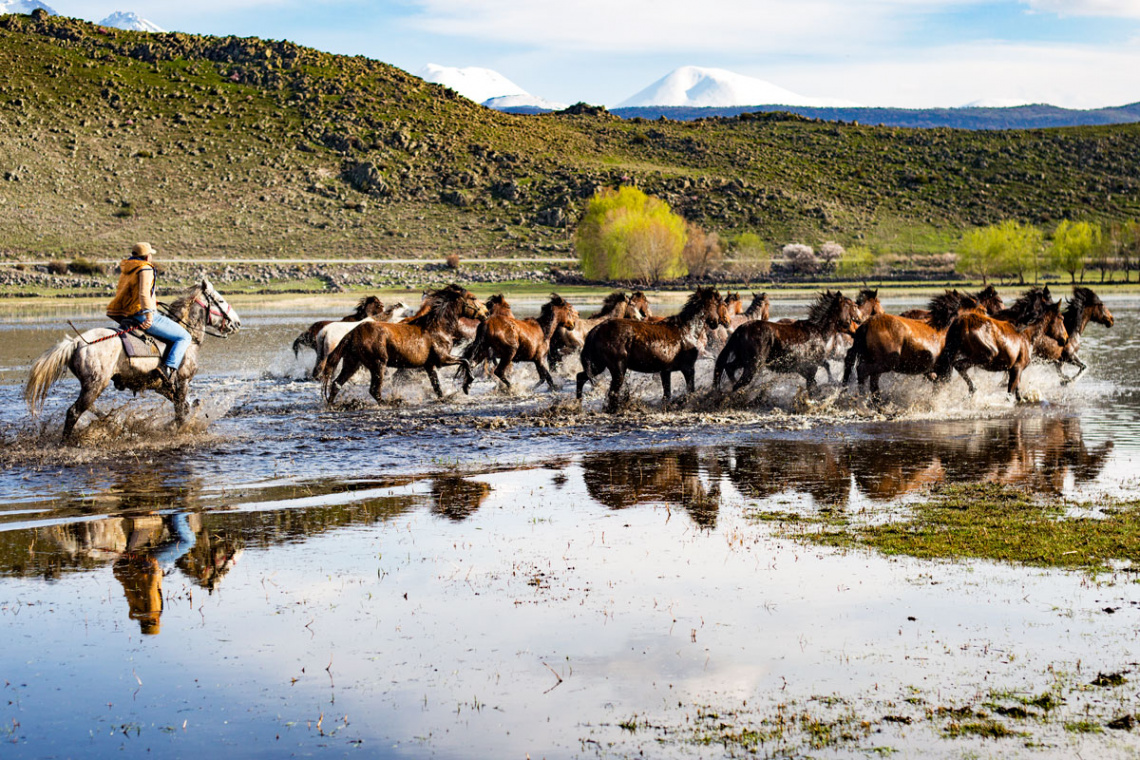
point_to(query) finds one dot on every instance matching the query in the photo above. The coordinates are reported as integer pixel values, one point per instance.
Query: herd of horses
(957, 332)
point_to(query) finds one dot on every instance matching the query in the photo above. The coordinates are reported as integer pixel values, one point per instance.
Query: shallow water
(507, 575)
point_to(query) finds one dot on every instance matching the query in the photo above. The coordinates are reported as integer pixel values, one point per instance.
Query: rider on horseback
(134, 304)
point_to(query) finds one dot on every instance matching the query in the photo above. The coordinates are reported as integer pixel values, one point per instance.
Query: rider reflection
(153, 546)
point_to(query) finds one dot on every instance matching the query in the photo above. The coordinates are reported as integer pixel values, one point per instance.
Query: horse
(889, 343)
(987, 298)
(978, 340)
(798, 347)
(507, 339)
(661, 347)
(565, 342)
(97, 358)
(369, 306)
(1084, 307)
(329, 336)
(425, 342)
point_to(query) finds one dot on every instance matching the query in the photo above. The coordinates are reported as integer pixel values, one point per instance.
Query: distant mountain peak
(485, 86)
(129, 21)
(24, 6)
(697, 86)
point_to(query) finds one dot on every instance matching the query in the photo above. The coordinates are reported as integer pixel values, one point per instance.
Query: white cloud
(1071, 76)
(1110, 8)
(641, 26)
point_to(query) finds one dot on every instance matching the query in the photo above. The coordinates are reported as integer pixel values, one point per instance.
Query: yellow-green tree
(750, 258)
(856, 264)
(1001, 250)
(628, 235)
(1073, 244)
(1024, 245)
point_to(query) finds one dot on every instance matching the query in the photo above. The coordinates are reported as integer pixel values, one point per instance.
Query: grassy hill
(249, 148)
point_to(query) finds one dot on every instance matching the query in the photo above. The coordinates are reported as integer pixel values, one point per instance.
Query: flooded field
(512, 575)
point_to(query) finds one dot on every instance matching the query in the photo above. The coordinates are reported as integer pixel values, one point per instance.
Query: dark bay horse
(425, 342)
(565, 342)
(888, 343)
(979, 340)
(664, 347)
(506, 339)
(369, 306)
(98, 359)
(798, 347)
(1084, 307)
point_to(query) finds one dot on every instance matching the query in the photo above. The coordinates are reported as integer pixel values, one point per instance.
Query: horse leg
(87, 395)
(349, 365)
(617, 380)
(962, 368)
(1014, 386)
(433, 376)
(873, 378)
(667, 386)
(809, 379)
(690, 375)
(181, 403)
(747, 375)
(1081, 367)
(504, 367)
(376, 383)
(544, 375)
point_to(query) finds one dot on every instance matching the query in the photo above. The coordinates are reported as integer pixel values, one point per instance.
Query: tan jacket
(131, 298)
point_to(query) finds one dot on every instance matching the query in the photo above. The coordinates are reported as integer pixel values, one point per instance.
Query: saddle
(139, 345)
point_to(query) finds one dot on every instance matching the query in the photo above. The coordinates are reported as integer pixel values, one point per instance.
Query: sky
(900, 53)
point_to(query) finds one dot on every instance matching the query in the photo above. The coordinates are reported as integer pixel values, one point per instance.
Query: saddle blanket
(139, 345)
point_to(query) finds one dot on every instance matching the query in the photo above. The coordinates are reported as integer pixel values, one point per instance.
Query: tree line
(628, 235)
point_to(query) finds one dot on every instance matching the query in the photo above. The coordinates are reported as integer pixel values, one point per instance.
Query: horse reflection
(818, 469)
(457, 498)
(621, 479)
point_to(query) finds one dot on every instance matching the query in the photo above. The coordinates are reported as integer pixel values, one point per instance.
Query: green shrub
(750, 258)
(856, 264)
(627, 235)
(81, 265)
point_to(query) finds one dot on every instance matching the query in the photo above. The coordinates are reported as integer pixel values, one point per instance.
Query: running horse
(565, 342)
(423, 342)
(1084, 307)
(664, 347)
(369, 306)
(889, 343)
(978, 340)
(987, 298)
(798, 347)
(504, 338)
(98, 359)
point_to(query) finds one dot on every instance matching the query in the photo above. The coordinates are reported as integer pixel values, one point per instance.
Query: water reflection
(457, 498)
(883, 464)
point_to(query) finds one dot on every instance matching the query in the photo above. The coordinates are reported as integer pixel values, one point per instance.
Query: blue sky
(910, 53)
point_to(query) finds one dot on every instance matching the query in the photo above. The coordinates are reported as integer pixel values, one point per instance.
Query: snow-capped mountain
(485, 86)
(695, 86)
(504, 102)
(23, 6)
(130, 21)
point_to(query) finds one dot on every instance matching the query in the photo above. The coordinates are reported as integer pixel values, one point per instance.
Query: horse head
(868, 303)
(849, 315)
(639, 302)
(989, 300)
(565, 315)
(712, 306)
(759, 308)
(1086, 301)
(497, 304)
(734, 304)
(219, 317)
(369, 306)
(472, 308)
(1055, 324)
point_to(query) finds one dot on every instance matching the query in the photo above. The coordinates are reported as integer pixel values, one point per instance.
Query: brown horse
(886, 343)
(1084, 307)
(423, 342)
(506, 339)
(369, 306)
(798, 347)
(757, 310)
(987, 298)
(565, 342)
(661, 347)
(978, 340)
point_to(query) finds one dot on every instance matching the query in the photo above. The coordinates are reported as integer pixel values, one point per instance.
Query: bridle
(220, 321)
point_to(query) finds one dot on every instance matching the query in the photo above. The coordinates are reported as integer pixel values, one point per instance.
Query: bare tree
(801, 258)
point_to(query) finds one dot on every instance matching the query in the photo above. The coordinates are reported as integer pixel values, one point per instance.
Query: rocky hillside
(250, 148)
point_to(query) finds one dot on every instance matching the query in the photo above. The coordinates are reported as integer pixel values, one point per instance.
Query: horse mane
(180, 309)
(611, 302)
(732, 298)
(498, 302)
(546, 314)
(441, 312)
(826, 303)
(1027, 308)
(369, 306)
(693, 306)
(865, 295)
(944, 308)
(986, 294)
(1081, 299)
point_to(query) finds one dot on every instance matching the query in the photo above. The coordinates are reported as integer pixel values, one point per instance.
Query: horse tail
(945, 361)
(304, 340)
(726, 357)
(476, 350)
(325, 369)
(46, 371)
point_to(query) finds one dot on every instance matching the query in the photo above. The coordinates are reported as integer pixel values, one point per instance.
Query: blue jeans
(167, 329)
